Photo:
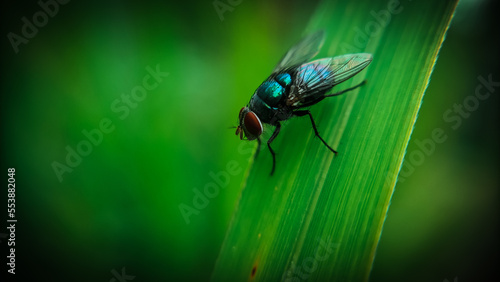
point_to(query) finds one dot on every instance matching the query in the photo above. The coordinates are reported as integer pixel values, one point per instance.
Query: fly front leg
(258, 148)
(307, 112)
(275, 133)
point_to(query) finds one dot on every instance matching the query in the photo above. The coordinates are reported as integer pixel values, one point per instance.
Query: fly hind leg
(346, 90)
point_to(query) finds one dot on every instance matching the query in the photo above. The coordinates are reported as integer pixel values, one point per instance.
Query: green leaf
(320, 217)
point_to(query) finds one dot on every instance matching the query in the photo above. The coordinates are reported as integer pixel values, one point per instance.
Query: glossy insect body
(295, 84)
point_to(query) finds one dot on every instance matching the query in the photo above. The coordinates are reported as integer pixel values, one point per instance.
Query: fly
(295, 84)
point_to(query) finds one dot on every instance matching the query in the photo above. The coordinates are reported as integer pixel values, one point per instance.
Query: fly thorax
(271, 92)
(269, 96)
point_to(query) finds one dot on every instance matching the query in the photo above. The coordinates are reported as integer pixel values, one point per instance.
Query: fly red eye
(252, 124)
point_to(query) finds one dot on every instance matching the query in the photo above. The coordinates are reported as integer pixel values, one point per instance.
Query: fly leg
(258, 148)
(307, 112)
(346, 90)
(275, 133)
(310, 103)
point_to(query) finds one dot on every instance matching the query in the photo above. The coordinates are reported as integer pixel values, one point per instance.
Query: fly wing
(301, 52)
(314, 79)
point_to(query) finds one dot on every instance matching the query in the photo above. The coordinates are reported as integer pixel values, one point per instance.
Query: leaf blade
(317, 204)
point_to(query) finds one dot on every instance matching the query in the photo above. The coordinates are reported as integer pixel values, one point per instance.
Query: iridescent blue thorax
(270, 94)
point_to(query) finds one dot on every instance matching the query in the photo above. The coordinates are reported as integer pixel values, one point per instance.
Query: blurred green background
(119, 206)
